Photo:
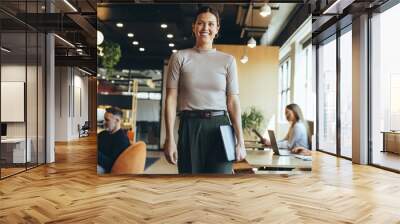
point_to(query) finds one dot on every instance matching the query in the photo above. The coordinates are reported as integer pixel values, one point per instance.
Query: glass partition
(22, 88)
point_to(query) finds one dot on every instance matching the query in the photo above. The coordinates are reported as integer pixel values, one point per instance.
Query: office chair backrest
(131, 161)
(310, 128)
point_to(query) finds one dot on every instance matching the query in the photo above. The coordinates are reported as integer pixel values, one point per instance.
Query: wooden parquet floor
(69, 191)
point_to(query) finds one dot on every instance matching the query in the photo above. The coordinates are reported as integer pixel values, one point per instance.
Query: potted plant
(111, 56)
(252, 119)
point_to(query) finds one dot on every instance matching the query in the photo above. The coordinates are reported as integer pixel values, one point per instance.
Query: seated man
(112, 141)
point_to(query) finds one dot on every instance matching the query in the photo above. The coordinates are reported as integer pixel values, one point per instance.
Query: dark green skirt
(200, 147)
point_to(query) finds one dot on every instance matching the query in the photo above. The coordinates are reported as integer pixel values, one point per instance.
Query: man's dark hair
(114, 111)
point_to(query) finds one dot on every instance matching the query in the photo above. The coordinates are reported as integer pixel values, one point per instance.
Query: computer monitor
(3, 129)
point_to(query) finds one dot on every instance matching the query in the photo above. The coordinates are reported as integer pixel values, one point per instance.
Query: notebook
(229, 141)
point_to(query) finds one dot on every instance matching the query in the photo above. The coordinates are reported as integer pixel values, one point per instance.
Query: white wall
(33, 127)
(71, 102)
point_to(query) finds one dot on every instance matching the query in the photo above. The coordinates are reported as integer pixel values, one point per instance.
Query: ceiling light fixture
(130, 35)
(119, 25)
(174, 51)
(5, 50)
(171, 44)
(244, 59)
(100, 37)
(64, 40)
(142, 49)
(170, 36)
(252, 43)
(70, 5)
(164, 26)
(265, 10)
(135, 43)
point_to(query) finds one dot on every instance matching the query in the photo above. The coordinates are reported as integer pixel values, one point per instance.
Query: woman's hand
(240, 152)
(302, 151)
(170, 152)
(265, 142)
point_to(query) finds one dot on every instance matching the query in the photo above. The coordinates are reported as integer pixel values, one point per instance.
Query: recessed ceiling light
(112, 81)
(130, 35)
(122, 78)
(135, 43)
(174, 50)
(118, 76)
(164, 26)
(98, 75)
(142, 49)
(79, 50)
(120, 25)
(170, 36)
(103, 77)
(171, 45)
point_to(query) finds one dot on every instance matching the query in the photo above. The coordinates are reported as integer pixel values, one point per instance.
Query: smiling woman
(207, 80)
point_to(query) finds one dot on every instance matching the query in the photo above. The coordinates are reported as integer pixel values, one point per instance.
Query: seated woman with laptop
(296, 139)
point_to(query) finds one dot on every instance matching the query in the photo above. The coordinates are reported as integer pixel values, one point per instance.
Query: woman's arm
(235, 116)
(170, 150)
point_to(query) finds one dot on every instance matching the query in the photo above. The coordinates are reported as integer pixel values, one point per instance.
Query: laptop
(274, 145)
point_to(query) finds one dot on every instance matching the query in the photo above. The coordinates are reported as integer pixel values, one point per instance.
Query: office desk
(259, 160)
(13, 150)
(267, 159)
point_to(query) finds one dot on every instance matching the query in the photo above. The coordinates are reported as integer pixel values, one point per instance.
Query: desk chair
(310, 128)
(132, 160)
(84, 129)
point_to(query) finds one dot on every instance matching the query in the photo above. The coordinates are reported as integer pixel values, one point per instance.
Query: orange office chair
(131, 136)
(132, 160)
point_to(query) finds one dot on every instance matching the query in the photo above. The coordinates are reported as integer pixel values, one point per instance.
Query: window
(304, 94)
(327, 96)
(385, 89)
(284, 87)
(346, 94)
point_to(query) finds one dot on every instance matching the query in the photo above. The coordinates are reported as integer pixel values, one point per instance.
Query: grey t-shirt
(203, 78)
